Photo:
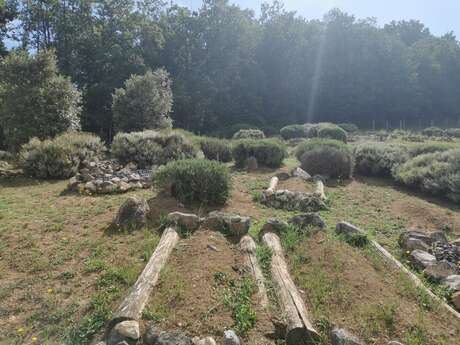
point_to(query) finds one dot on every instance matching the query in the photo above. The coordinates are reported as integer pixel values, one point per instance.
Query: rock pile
(293, 201)
(106, 177)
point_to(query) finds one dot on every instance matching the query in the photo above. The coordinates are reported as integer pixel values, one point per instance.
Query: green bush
(293, 132)
(348, 127)
(433, 132)
(378, 159)
(434, 173)
(422, 149)
(311, 130)
(330, 159)
(453, 132)
(149, 148)
(268, 152)
(216, 149)
(249, 134)
(59, 157)
(195, 180)
(315, 143)
(331, 131)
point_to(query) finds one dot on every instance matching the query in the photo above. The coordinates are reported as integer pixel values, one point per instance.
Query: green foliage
(453, 132)
(433, 132)
(348, 127)
(35, 101)
(149, 148)
(5, 156)
(434, 173)
(144, 103)
(331, 131)
(293, 131)
(216, 149)
(59, 157)
(315, 143)
(422, 149)
(378, 159)
(327, 159)
(196, 180)
(249, 134)
(268, 152)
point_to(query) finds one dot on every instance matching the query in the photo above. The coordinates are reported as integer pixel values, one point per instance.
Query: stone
(226, 222)
(173, 338)
(453, 282)
(101, 343)
(189, 221)
(456, 242)
(134, 177)
(348, 229)
(115, 180)
(205, 341)
(440, 270)
(123, 186)
(283, 176)
(421, 259)
(446, 251)
(306, 220)
(274, 225)
(151, 335)
(230, 338)
(411, 243)
(429, 238)
(251, 164)
(456, 300)
(125, 331)
(342, 337)
(73, 183)
(108, 187)
(393, 342)
(90, 187)
(133, 213)
(293, 201)
(299, 172)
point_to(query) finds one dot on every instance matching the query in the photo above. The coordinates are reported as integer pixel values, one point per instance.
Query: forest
(231, 67)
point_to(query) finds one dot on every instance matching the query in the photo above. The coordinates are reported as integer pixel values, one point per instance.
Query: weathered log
(132, 306)
(319, 190)
(273, 183)
(299, 329)
(248, 247)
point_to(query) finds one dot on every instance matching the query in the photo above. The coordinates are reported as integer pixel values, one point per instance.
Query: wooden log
(248, 247)
(319, 190)
(273, 183)
(299, 329)
(132, 306)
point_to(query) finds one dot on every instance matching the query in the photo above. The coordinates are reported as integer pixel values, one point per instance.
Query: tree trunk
(299, 330)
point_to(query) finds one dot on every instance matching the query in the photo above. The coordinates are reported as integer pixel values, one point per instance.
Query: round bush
(434, 173)
(88, 146)
(433, 132)
(332, 132)
(268, 152)
(314, 143)
(422, 149)
(249, 134)
(378, 159)
(349, 127)
(195, 180)
(293, 132)
(453, 132)
(149, 148)
(216, 149)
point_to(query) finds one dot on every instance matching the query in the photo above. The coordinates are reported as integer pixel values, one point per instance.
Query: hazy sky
(440, 16)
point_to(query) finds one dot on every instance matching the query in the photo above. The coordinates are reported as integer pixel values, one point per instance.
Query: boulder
(133, 213)
(429, 238)
(440, 270)
(411, 243)
(90, 187)
(108, 187)
(342, 337)
(251, 164)
(228, 223)
(173, 338)
(348, 229)
(273, 225)
(306, 220)
(421, 259)
(293, 201)
(299, 172)
(151, 335)
(127, 331)
(230, 338)
(453, 282)
(456, 300)
(189, 221)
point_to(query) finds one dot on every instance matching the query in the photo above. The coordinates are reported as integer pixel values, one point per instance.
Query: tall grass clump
(249, 134)
(293, 132)
(268, 152)
(434, 173)
(378, 159)
(150, 147)
(195, 180)
(216, 149)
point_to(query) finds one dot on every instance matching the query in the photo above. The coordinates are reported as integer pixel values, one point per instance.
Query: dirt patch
(187, 297)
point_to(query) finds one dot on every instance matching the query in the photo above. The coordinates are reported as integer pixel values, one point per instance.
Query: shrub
(216, 149)
(311, 130)
(453, 132)
(249, 134)
(434, 173)
(87, 145)
(330, 159)
(144, 103)
(315, 143)
(149, 148)
(429, 148)
(348, 127)
(268, 152)
(35, 100)
(293, 132)
(378, 159)
(5, 156)
(331, 131)
(433, 132)
(195, 180)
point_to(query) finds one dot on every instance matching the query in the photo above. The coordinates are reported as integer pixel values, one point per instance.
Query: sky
(440, 16)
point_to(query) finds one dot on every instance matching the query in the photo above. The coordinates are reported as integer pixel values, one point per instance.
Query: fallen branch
(299, 329)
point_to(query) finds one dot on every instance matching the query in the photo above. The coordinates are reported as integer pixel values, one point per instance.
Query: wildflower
(20, 330)
(34, 339)
(50, 290)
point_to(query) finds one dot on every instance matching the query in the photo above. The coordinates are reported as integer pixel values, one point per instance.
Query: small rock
(456, 300)
(299, 172)
(125, 331)
(283, 176)
(306, 220)
(213, 248)
(187, 220)
(90, 187)
(151, 335)
(274, 225)
(421, 259)
(234, 224)
(440, 270)
(411, 243)
(108, 187)
(173, 338)
(230, 338)
(123, 186)
(133, 213)
(453, 282)
(347, 229)
(342, 337)
(134, 177)
(393, 342)
(456, 242)
(73, 183)
(427, 237)
(251, 164)
(205, 341)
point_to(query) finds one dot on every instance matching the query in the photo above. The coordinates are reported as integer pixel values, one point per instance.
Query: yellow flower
(34, 339)
(408, 252)
(50, 290)
(21, 330)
